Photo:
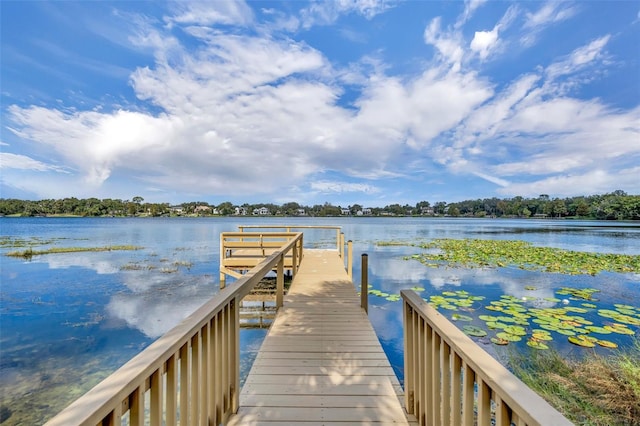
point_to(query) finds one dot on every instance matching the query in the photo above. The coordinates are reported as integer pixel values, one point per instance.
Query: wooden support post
(280, 283)
(409, 384)
(223, 276)
(294, 260)
(364, 284)
(350, 259)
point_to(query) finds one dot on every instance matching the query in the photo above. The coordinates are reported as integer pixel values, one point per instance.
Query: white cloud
(484, 41)
(226, 106)
(281, 21)
(235, 12)
(493, 179)
(341, 187)
(91, 141)
(448, 43)
(550, 13)
(597, 181)
(579, 58)
(22, 162)
(327, 12)
(470, 7)
(244, 114)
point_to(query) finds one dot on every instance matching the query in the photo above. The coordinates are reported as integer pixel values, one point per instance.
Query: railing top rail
(239, 234)
(241, 227)
(99, 401)
(530, 406)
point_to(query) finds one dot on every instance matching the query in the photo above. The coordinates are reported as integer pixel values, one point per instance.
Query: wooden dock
(321, 362)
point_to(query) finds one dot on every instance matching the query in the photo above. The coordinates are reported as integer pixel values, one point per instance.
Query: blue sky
(362, 101)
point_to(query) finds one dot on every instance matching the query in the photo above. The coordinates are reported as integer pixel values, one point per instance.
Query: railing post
(223, 276)
(350, 259)
(342, 245)
(235, 365)
(338, 239)
(280, 283)
(298, 248)
(409, 386)
(364, 284)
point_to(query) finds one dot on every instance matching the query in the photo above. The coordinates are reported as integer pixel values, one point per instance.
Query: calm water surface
(69, 320)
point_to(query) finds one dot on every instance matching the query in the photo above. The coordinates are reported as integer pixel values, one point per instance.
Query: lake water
(69, 320)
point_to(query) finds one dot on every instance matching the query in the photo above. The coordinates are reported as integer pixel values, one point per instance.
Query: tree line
(616, 205)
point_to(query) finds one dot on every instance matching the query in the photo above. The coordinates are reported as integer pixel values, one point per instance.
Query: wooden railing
(450, 380)
(189, 376)
(229, 266)
(241, 251)
(289, 228)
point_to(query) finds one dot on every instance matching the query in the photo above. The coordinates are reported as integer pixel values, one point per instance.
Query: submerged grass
(29, 253)
(594, 391)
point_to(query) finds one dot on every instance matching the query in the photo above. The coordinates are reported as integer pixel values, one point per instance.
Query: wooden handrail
(240, 244)
(446, 375)
(192, 372)
(241, 251)
(290, 228)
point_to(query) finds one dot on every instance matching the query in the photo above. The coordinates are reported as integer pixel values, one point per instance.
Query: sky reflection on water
(69, 320)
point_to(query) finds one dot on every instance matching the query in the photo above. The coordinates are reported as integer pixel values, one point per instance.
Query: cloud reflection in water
(158, 302)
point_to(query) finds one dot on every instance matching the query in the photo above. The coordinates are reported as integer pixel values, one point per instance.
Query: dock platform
(321, 362)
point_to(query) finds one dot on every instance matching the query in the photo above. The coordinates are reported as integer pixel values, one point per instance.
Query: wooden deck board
(321, 362)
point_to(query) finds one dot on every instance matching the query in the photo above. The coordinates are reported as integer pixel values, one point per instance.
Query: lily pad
(515, 330)
(607, 344)
(449, 307)
(536, 344)
(540, 336)
(621, 306)
(596, 329)
(472, 330)
(495, 324)
(620, 329)
(488, 318)
(577, 340)
(499, 341)
(459, 317)
(508, 336)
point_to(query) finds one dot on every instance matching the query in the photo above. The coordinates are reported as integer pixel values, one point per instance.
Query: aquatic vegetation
(521, 254)
(392, 243)
(516, 319)
(29, 253)
(472, 330)
(136, 267)
(184, 263)
(17, 242)
(595, 390)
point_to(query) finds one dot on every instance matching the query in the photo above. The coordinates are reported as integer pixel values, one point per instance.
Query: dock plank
(321, 362)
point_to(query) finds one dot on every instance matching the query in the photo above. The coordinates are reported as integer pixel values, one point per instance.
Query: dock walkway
(321, 362)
